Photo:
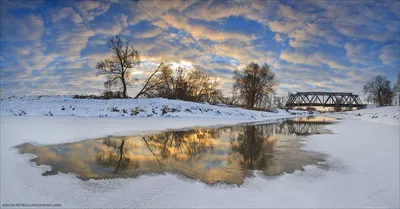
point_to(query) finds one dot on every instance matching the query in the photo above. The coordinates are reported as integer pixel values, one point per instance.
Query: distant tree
(396, 88)
(254, 82)
(310, 108)
(279, 102)
(117, 69)
(337, 109)
(378, 90)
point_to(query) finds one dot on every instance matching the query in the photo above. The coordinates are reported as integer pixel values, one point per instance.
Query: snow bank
(363, 170)
(387, 115)
(67, 106)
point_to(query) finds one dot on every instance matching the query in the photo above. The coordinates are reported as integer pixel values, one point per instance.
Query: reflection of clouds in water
(212, 155)
(315, 119)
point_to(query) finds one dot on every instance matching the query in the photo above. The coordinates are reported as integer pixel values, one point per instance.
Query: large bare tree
(254, 82)
(378, 90)
(117, 69)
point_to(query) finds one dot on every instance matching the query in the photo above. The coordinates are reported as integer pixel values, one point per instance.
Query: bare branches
(254, 82)
(146, 86)
(117, 68)
(184, 84)
(378, 90)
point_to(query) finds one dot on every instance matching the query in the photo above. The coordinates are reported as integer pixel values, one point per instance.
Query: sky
(52, 47)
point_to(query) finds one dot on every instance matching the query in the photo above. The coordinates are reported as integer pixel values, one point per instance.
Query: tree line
(254, 86)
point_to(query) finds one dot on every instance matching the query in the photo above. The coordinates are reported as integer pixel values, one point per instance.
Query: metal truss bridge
(324, 99)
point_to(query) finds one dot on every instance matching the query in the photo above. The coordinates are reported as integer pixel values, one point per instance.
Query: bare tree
(378, 90)
(117, 68)
(254, 82)
(396, 88)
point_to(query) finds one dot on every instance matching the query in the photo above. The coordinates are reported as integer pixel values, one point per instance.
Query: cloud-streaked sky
(51, 47)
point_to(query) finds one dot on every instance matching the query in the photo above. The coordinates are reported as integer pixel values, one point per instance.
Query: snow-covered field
(387, 115)
(363, 159)
(67, 106)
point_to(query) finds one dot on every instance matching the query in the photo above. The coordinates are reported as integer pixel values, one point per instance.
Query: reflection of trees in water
(223, 154)
(261, 146)
(176, 145)
(181, 145)
(115, 156)
(253, 145)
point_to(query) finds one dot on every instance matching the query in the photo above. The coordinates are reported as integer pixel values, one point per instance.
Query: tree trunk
(379, 99)
(124, 87)
(143, 90)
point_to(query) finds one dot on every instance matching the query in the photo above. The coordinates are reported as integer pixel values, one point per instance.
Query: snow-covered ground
(363, 157)
(364, 169)
(387, 115)
(67, 106)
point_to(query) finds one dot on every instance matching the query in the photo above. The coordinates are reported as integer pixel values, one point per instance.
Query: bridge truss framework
(324, 99)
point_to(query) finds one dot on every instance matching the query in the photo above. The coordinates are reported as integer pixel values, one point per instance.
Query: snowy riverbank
(137, 108)
(363, 157)
(387, 115)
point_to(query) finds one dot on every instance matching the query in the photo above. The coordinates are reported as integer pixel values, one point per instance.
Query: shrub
(20, 113)
(136, 111)
(107, 94)
(337, 109)
(165, 109)
(114, 109)
(309, 108)
(85, 97)
(48, 113)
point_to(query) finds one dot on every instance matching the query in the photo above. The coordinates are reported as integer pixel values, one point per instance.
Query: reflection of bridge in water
(324, 99)
(305, 127)
(301, 127)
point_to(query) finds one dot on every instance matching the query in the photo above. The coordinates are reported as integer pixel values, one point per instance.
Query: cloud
(152, 10)
(200, 31)
(89, 10)
(69, 44)
(216, 10)
(66, 12)
(27, 27)
(90, 5)
(290, 13)
(151, 33)
(390, 53)
(364, 23)
(278, 38)
(114, 27)
(283, 27)
(314, 59)
(360, 53)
